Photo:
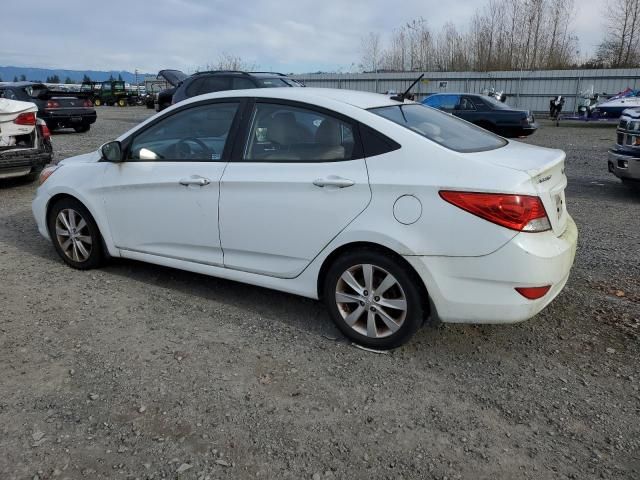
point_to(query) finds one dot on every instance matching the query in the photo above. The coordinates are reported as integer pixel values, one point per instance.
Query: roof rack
(274, 73)
(221, 71)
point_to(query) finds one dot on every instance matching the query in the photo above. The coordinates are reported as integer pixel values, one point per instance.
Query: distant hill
(7, 74)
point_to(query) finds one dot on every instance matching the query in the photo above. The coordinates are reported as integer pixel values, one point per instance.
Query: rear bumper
(482, 289)
(69, 118)
(15, 163)
(624, 165)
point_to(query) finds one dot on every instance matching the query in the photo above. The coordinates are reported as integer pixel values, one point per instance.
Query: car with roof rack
(220, 80)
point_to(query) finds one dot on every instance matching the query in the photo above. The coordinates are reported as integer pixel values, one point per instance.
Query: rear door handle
(333, 181)
(195, 180)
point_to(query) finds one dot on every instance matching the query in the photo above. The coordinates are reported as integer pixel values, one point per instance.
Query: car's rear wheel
(75, 234)
(374, 299)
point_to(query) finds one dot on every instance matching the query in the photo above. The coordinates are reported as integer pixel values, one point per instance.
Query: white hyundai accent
(390, 211)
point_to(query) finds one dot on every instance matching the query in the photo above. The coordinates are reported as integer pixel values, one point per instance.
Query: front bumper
(624, 165)
(482, 289)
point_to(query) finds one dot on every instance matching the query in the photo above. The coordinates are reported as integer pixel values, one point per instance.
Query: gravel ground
(138, 371)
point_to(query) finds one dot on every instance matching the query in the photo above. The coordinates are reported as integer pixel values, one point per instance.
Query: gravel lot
(138, 371)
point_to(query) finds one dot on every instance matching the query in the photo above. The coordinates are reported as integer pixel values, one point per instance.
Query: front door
(300, 180)
(163, 199)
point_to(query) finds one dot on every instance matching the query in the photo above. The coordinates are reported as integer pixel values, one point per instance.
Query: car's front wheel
(75, 234)
(374, 299)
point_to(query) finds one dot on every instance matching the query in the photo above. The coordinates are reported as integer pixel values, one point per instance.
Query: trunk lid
(545, 166)
(173, 77)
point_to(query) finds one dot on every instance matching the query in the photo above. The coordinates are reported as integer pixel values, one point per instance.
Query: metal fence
(529, 90)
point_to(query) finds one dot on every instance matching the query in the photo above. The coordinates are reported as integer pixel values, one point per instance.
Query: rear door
(295, 182)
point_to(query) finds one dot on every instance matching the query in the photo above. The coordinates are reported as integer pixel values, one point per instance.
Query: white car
(388, 211)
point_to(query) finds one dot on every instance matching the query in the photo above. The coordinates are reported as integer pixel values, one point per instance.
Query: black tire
(95, 254)
(82, 128)
(34, 174)
(407, 288)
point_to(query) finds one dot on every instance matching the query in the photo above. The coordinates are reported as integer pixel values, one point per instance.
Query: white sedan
(388, 210)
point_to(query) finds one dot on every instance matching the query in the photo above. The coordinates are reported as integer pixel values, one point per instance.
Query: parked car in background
(164, 98)
(486, 112)
(624, 157)
(25, 145)
(387, 210)
(216, 81)
(57, 109)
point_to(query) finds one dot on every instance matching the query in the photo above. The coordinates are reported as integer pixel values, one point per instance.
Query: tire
(75, 213)
(121, 102)
(85, 127)
(97, 102)
(369, 320)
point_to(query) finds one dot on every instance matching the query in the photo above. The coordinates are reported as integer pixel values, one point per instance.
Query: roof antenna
(402, 96)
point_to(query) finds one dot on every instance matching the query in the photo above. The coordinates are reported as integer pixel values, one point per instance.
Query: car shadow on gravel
(14, 182)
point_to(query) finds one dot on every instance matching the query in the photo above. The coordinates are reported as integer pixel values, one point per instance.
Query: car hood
(173, 77)
(91, 157)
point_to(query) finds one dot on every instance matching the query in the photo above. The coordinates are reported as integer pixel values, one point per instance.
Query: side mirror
(111, 151)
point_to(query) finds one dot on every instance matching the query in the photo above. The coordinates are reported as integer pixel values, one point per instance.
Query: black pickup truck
(57, 109)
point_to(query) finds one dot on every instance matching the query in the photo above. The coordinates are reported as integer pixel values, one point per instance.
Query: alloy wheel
(73, 236)
(371, 301)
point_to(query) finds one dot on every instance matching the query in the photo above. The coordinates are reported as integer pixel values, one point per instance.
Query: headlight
(47, 172)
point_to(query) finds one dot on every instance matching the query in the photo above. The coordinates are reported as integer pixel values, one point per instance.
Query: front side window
(466, 104)
(240, 83)
(273, 82)
(284, 133)
(442, 128)
(197, 134)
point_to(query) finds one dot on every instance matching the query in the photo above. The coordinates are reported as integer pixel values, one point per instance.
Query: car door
(466, 109)
(163, 199)
(296, 181)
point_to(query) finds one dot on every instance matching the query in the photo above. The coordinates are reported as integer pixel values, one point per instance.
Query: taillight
(28, 118)
(533, 293)
(52, 104)
(88, 103)
(44, 131)
(523, 213)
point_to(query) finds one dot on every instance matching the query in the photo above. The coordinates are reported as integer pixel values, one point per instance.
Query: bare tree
(228, 61)
(620, 46)
(371, 52)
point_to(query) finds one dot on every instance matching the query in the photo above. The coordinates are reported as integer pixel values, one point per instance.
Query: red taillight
(88, 103)
(52, 104)
(28, 118)
(517, 212)
(533, 293)
(44, 131)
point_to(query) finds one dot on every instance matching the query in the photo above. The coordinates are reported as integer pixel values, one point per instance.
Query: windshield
(35, 91)
(495, 104)
(441, 127)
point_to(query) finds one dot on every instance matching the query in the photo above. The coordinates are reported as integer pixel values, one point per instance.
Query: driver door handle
(333, 181)
(195, 180)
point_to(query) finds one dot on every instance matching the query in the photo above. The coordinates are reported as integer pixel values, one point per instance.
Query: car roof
(355, 98)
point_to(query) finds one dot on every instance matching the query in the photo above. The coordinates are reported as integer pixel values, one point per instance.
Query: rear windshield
(495, 104)
(441, 127)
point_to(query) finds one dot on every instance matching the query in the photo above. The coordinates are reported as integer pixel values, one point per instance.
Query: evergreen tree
(15, 78)
(23, 78)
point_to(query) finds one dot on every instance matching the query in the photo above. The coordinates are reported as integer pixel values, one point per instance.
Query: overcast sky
(291, 36)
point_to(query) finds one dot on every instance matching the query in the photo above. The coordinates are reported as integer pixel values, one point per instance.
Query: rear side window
(284, 133)
(441, 128)
(239, 83)
(208, 85)
(272, 82)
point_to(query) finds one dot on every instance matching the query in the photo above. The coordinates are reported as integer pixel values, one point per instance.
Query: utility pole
(137, 85)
